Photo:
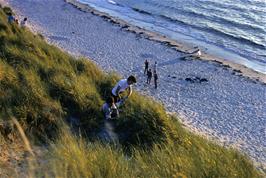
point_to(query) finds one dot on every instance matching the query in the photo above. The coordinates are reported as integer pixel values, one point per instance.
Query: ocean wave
(141, 11)
(239, 7)
(223, 9)
(236, 38)
(221, 20)
(212, 18)
(226, 21)
(217, 32)
(227, 32)
(111, 2)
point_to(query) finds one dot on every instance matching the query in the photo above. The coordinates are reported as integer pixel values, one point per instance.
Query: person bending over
(121, 86)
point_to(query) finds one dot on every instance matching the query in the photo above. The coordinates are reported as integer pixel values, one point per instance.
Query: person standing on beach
(155, 67)
(155, 76)
(121, 86)
(149, 76)
(146, 66)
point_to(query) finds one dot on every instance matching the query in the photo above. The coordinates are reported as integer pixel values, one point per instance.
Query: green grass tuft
(41, 86)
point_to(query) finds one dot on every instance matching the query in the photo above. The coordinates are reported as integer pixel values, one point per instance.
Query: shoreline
(190, 112)
(180, 47)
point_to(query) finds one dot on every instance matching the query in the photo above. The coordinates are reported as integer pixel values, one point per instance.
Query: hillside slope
(41, 86)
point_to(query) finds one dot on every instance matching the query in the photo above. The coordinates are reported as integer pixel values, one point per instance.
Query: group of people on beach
(12, 19)
(110, 107)
(115, 100)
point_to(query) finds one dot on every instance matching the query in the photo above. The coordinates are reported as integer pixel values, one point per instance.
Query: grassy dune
(41, 86)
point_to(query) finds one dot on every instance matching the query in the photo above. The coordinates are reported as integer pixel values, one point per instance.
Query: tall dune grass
(42, 86)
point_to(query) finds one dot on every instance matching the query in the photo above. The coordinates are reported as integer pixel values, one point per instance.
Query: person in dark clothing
(155, 76)
(149, 76)
(146, 66)
(10, 18)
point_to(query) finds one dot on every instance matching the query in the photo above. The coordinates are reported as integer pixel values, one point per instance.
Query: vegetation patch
(42, 87)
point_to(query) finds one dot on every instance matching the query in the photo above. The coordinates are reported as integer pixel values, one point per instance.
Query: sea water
(231, 29)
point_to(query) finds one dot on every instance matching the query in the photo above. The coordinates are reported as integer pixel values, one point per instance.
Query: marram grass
(41, 86)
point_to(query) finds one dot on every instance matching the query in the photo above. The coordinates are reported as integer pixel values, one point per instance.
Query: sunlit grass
(41, 86)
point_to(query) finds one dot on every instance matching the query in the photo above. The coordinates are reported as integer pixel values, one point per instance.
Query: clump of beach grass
(42, 86)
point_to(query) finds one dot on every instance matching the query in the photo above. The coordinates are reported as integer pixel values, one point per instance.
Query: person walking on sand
(121, 86)
(146, 66)
(149, 76)
(23, 22)
(155, 76)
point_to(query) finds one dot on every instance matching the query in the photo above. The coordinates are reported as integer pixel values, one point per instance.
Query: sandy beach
(220, 100)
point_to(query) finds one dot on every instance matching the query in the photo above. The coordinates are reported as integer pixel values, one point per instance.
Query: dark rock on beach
(196, 80)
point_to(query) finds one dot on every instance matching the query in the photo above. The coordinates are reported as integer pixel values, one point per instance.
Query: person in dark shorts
(146, 66)
(121, 86)
(149, 76)
(155, 76)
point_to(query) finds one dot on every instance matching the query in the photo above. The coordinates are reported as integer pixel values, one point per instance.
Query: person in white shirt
(109, 109)
(196, 53)
(23, 22)
(121, 86)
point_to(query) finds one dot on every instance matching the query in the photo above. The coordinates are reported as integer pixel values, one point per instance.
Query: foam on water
(233, 30)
